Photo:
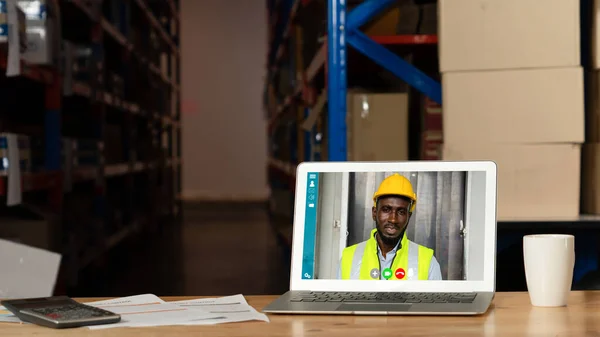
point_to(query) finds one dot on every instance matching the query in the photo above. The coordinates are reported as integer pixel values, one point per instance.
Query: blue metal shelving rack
(343, 30)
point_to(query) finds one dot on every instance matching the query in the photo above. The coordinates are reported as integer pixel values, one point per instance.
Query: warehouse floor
(218, 250)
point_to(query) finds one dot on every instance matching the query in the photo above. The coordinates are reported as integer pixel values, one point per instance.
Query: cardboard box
(590, 177)
(508, 34)
(535, 181)
(514, 106)
(401, 18)
(377, 126)
(43, 31)
(384, 23)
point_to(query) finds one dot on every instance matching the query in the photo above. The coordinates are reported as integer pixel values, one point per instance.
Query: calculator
(59, 312)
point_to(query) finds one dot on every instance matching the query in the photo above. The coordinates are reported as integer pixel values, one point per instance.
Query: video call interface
(393, 226)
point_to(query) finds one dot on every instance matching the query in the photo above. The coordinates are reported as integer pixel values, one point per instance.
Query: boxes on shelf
(43, 31)
(377, 126)
(5, 24)
(80, 152)
(27, 159)
(514, 106)
(535, 181)
(405, 17)
(508, 34)
(74, 152)
(78, 64)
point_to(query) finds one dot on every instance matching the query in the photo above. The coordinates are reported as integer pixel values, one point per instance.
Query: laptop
(392, 238)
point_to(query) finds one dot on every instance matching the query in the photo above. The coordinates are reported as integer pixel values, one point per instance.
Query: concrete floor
(217, 250)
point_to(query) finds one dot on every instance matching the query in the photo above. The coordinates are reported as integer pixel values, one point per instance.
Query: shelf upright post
(52, 134)
(336, 81)
(176, 77)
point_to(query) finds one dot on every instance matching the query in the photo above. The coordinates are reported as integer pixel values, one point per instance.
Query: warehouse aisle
(231, 249)
(218, 250)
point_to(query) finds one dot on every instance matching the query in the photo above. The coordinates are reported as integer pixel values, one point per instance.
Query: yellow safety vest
(411, 257)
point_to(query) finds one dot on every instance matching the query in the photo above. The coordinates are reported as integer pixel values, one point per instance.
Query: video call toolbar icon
(311, 191)
(374, 273)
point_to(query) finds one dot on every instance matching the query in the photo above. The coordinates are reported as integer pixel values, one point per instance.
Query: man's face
(391, 215)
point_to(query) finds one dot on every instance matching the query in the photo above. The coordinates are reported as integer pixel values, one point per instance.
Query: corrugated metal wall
(436, 222)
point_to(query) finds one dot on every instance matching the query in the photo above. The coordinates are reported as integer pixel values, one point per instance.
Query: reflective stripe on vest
(360, 259)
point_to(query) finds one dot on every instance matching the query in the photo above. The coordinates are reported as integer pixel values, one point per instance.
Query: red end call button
(400, 273)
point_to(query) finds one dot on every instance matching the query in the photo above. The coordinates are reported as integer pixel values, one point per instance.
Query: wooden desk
(510, 315)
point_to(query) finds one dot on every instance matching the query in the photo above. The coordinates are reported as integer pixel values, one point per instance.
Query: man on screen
(388, 254)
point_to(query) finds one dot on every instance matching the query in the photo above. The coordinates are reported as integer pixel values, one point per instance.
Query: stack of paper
(7, 316)
(149, 310)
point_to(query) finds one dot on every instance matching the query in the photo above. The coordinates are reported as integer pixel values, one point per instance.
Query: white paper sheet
(146, 310)
(27, 271)
(227, 309)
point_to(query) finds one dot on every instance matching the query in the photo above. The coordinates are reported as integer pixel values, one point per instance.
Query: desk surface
(510, 314)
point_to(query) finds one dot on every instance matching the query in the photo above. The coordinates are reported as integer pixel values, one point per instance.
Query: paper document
(149, 310)
(7, 316)
(223, 309)
(146, 310)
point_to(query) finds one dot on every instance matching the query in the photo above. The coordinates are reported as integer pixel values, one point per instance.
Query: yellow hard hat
(396, 185)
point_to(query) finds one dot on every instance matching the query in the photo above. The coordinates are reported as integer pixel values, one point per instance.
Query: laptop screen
(423, 225)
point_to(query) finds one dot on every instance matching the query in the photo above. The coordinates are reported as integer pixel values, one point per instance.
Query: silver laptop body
(326, 192)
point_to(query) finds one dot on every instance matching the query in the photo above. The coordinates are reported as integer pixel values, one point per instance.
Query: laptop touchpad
(394, 307)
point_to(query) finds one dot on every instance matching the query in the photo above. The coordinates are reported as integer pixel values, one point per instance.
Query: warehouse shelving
(342, 30)
(329, 68)
(105, 153)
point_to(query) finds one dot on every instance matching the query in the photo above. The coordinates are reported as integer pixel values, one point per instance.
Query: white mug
(549, 262)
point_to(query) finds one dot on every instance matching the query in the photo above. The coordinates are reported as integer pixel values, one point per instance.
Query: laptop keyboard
(384, 297)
